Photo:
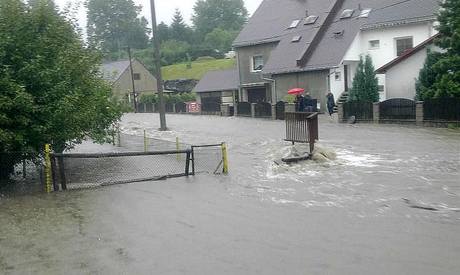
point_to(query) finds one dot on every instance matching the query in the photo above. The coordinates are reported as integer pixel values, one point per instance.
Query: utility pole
(156, 45)
(132, 79)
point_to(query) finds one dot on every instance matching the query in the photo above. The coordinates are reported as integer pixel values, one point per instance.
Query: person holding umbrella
(299, 99)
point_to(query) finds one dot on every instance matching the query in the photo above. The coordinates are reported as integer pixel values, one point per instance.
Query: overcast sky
(165, 8)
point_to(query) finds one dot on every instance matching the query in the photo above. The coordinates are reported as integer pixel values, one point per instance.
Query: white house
(316, 44)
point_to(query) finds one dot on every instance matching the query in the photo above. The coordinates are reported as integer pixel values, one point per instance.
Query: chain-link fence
(75, 171)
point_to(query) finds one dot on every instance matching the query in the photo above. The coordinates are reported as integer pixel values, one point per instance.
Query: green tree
(115, 24)
(50, 87)
(223, 14)
(220, 39)
(173, 51)
(447, 66)
(179, 31)
(365, 83)
(427, 77)
(164, 32)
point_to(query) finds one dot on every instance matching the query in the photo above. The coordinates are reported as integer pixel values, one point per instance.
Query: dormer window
(347, 14)
(310, 20)
(296, 38)
(294, 24)
(365, 13)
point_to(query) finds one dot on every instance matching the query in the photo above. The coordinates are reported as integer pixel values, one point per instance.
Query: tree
(179, 31)
(115, 24)
(223, 14)
(164, 32)
(427, 77)
(446, 67)
(173, 51)
(220, 39)
(50, 87)
(365, 83)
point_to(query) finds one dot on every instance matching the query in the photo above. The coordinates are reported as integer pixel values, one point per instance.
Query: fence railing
(244, 109)
(397, 109)
(210, 107)
(362, 111)
(263, 109)
(74, 171)
(280, 108)
(442, 109)
(302, 127)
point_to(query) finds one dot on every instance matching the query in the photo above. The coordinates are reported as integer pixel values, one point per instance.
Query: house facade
(118, 74)
(316, 44)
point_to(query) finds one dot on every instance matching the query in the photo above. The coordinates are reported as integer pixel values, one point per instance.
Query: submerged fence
(21, 168)
(302, 127)
(362, 111)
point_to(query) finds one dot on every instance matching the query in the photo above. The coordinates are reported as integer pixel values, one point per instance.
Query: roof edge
(406, 55)
(394, 23)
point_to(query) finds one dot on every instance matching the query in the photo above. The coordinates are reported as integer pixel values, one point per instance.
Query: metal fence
(397, 109)
(181, 107)
(442, 109)
(280, 109)
(302, 127)
(244, 109)
(362, 111)
(76, 171)
(263, 109)
(210, 107)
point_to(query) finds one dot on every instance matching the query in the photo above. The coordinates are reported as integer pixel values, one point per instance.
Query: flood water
(388, 204)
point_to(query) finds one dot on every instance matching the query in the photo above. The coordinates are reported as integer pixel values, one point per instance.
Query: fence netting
(136, 158)
(85, 170)
(208, 159)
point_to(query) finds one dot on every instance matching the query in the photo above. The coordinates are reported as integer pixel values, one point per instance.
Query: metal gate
(280, 108)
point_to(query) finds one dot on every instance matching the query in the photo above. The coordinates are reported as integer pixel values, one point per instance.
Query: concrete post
(235, 109)
(419, 114)
(253, 110)
(225, 110)
(289, 107)
(340, 112)
(153, 107)
(273, 111)
(174, 108)
(376, 112)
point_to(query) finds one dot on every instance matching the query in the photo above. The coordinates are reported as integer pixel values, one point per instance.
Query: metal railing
(302, 127)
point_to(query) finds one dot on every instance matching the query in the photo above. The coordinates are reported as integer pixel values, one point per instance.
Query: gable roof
(222, 80)
(320, 47)
(112, 71)
(408, 53)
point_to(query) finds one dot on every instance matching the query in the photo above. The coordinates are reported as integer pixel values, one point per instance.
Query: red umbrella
(296, 91)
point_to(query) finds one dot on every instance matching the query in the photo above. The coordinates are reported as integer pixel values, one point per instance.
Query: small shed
(217, 87)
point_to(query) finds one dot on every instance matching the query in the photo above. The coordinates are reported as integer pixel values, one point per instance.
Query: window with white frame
(365, 13)
(137, 76)
(403, 44)
(374, 44)
(257, 63)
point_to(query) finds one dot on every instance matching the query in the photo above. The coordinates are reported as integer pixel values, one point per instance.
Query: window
(347, 14)
(296, 38)
(381, 88)
(137, 76)
(374, 44)
(294, 24)
(310, 20)
(402, 44)
(338, 76)
(257, 63)
(365, 13)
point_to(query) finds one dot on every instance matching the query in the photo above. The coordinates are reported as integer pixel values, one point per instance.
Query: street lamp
(156, 55)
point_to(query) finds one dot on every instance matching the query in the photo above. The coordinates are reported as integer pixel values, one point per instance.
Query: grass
(198, 70)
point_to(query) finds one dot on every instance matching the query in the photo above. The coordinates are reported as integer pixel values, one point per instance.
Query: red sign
(193, 107)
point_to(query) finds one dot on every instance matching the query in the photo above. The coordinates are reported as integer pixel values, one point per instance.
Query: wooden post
(376, 112)
(48, 168)
(224, 158)
(145, 141)
(53, 172)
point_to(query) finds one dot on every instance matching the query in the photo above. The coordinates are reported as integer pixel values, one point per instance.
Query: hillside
(199, 68)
